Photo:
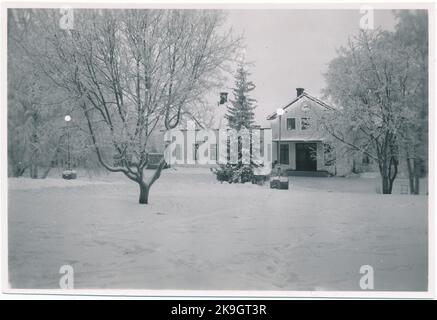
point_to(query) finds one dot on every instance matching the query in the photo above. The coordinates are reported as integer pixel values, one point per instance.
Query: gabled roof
(304, 94)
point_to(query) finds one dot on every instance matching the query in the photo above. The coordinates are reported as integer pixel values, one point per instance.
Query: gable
(304, 104)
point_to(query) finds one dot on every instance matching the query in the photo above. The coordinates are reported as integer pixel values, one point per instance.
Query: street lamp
(68, 174)
(280, 112)
(67, 120)
(278, 182)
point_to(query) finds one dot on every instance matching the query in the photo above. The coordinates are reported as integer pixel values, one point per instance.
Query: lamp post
(280, 113)
(68, 174)
(67, 120)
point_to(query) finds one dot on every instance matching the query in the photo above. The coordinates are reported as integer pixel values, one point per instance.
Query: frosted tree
(412, 34)
(240, 113)
(372, 82)
(132, 73)
(34, 122)
(241, 118)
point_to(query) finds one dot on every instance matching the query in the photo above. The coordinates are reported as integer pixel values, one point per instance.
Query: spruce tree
(240, 113)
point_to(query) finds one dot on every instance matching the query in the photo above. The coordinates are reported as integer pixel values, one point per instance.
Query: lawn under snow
(200, 234)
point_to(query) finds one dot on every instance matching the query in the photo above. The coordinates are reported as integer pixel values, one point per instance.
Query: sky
(292, 48)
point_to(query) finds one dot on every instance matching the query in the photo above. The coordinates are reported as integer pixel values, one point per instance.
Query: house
(302, 147)
(205, 147)
(194, 143)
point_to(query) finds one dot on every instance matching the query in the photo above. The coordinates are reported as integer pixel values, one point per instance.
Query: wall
(295, 111)
(186, 154)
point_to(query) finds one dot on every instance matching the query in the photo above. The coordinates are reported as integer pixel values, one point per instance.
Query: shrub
(234, 173)
(223, 173)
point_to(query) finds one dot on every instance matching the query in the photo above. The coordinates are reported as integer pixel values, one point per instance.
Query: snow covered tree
(241, 112)
(241, 117)
(412, 34)
(132, 73)
(35, 118)
(372, 83)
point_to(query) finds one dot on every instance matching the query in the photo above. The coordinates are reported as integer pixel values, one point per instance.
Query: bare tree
(133, 72)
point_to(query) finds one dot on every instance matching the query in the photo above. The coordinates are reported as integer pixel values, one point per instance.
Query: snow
(28, 184)
(197, 233)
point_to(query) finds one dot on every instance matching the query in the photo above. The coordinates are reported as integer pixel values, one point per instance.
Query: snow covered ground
(200, 234)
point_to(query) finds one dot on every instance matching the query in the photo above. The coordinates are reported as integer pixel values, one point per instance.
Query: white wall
(295, 111)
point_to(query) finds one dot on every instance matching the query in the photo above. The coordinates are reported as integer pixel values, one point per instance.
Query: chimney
(299, 91)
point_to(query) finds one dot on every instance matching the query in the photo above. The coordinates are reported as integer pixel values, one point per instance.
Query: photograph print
(252, 149)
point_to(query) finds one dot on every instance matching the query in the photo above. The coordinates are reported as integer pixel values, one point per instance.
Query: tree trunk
(34, 171)
(416, 175)
(410, 175)
(388, 173)
(34, 157)
(386, 188)
(354, 169)
(144, 194)
(18, 170)
(413, 175)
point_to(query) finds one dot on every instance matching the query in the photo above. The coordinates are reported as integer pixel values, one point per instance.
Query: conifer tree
(240, 116)
(240, 113)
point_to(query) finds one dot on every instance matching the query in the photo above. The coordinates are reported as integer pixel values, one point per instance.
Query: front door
(306, 159)
(285, 158)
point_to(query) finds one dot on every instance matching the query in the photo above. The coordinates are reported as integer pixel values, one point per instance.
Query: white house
(302, 148)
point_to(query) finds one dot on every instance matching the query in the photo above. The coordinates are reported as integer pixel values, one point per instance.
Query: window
(284, 154)
(305, 123)
(366, 159)
(291, 124)
(196, 151)
(213, 151)
(305, 108)
(177, 153)
(261, 147)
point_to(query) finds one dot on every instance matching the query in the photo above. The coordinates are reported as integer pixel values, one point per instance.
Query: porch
(301, 158)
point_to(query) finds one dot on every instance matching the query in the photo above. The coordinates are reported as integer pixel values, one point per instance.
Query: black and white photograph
(218, 150)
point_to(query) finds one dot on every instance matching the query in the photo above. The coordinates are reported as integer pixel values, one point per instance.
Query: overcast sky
(292, 48)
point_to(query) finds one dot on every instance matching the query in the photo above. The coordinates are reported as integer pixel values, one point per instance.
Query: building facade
(294, 138)
(297, 141)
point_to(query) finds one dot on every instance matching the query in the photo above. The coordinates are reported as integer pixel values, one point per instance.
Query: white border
(202, 294)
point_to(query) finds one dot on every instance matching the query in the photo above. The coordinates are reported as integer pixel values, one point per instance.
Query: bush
(234, 173)
(223, 173)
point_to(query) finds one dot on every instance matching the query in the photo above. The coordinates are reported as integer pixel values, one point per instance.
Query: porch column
(292, 146)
